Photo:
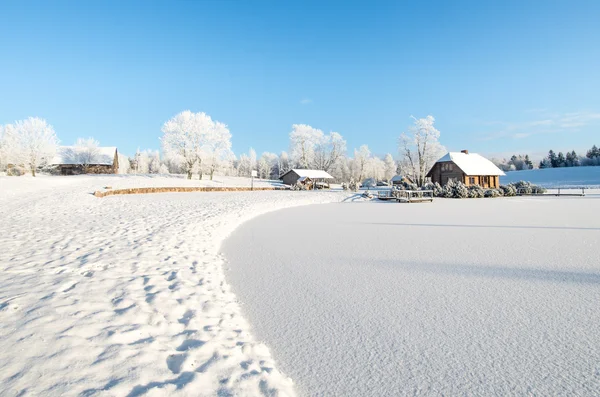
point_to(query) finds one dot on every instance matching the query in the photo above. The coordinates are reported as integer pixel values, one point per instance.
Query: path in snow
(126, 295)
(479, 297)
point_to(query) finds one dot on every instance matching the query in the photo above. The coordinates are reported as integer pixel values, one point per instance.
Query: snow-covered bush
(492, 193)
(344, 186)
(508, 190)
(353, 185)
(449, 189)
(461, 190)
(476, 191)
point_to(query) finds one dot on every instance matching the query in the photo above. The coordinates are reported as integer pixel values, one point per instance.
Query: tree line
(520, 162)
(195, 144)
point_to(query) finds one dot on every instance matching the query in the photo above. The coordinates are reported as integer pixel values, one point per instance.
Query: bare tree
(36, 142)
(185, 137)
(87, 152)
(361, 158)
(420, 147)
(328, 151)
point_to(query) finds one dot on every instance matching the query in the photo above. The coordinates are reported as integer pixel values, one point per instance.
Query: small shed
(72, 160)
(469, 168)
(293, 176)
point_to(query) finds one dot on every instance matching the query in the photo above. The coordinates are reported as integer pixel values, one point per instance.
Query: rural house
(293, 176)
(71, 160)
(469, 168)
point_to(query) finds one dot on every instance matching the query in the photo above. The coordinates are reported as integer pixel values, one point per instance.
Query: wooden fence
(146, 190)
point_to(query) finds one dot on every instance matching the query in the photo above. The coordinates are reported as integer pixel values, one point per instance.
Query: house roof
(313, 174)
(399, 178)
(471, 164)
(69, 155)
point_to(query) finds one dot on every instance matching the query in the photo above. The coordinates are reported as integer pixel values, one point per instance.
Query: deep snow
(126, 295)
(568, 177)
(457, 297)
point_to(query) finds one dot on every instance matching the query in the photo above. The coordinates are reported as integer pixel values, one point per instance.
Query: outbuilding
(72, 160)
(293, 176)
(469, 168)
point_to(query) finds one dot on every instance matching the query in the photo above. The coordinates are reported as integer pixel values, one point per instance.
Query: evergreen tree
(561, 161)
(593, 153)
(553, 159)
(528, 162)
(575, 158)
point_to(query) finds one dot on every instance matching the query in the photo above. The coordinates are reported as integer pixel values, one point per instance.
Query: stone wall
(145, 190)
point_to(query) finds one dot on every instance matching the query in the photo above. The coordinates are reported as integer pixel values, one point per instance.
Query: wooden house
(469, 168)
(293, 176)
(71, 160)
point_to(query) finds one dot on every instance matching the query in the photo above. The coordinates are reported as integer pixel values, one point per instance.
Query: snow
(472, 163)
(313, 174)
(126, 295)
(458, 297)
(569, 177)
(69, 155)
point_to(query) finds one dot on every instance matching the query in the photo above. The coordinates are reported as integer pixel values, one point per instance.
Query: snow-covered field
(126, 295)
(457, 297)
(571, 177)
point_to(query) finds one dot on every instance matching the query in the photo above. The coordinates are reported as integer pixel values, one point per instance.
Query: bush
(491, 193)
(353, 185)
(461, 190)
(344, 186)
(476, 191)
(508, 190)
(527, 188)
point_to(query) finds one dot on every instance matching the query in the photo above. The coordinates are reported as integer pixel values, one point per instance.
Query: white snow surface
(313, 174)
(457, 297)
(126, 295)
(472, 163)
(567, 177)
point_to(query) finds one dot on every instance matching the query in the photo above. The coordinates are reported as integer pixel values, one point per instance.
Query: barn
(469, 168)
(71, 160)
(293, 176)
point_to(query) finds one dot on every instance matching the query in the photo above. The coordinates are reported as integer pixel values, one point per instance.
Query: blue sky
(499, 76)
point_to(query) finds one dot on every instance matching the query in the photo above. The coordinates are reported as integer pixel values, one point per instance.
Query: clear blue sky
(499, 76)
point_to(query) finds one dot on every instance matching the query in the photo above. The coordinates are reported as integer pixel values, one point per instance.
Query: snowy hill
(572, 177)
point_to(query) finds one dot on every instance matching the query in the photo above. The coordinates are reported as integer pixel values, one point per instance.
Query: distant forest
(520, 162)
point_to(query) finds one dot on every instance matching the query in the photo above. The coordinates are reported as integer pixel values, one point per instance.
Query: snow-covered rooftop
(69, 155)
(313, 174)
(472, 163)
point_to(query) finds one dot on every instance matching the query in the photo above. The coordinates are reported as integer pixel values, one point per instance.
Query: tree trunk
(32, 171)
(189, 174)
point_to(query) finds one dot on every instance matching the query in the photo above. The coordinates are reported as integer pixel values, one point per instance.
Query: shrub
(491, 193)
(353, 185)
(461, 190)
(344, 186)
(508, 190)
(476, 191)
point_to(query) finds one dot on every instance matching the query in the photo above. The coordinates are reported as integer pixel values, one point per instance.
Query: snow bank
(126, 295)
(571, 177)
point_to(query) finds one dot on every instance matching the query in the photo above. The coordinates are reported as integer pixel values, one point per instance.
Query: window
(446, 167)
(471, 180)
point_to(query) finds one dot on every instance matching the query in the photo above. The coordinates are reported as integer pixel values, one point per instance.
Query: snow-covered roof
(69, 155)
(303, 178)
(397, 178)
(313, 174)
(472, 163)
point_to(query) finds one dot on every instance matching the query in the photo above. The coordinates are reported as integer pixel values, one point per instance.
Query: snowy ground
(456, 297)
(126, 295)
(557, 177)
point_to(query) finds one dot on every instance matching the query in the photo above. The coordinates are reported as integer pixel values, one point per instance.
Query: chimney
(465, 151)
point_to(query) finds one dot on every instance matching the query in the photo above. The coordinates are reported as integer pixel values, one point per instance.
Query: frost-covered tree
(303, 140)
(283, 163)
(329, 149)
(185, 139)
(375, 168)
(420, 147)
(124, 164)
(266, 164)
(218, 146)
(361, 158)
(36, 142)
(8, 145)
(87, 152)
(390, 167)
(253, 160)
